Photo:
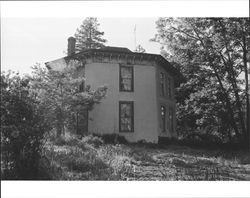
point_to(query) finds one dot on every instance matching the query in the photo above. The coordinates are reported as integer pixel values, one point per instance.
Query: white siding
(104, 118)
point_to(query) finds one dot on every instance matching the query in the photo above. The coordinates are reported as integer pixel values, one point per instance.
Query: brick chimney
(71, 45)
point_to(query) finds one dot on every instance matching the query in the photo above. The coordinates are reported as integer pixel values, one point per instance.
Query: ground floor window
(163, 118)
(126, 116)
(171, 119)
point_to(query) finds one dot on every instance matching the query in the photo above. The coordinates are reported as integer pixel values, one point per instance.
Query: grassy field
(91, 159)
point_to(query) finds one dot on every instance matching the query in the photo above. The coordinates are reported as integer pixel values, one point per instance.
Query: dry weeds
(93, 160)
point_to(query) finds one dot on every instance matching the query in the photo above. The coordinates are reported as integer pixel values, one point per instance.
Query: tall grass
(87, 158)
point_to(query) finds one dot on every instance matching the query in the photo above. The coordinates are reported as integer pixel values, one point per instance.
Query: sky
(26, 41)
(37, 32)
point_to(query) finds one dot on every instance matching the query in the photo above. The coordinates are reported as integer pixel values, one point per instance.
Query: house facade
(139, 104)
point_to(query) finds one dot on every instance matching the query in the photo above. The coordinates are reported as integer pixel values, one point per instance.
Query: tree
(212, 58)
(22, 129)
(62, 94)
(140, 49)
(88, 36)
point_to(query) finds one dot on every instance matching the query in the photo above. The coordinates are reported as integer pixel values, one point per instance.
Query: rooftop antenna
(135, 35)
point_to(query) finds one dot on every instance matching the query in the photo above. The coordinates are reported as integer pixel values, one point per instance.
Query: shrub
(118, 159)
(22, 129)
(92, 140)
(113, 139)
(140, 155)
(166, 141)
(85, 163)
(67, 139)
(196, 139)
(59, 141)
(79, 164)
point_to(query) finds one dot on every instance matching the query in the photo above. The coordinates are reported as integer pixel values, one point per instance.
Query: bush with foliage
(112, 138)
(63, 95)
(22, 128)
(92, 140)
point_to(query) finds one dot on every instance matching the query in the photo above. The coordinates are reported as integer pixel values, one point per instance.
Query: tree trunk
(246, 87)
(228, 105)
(59, 122)
(232, 78)
(227, 99)
(236, 93)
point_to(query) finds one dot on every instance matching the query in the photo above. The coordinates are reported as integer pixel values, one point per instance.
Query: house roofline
(156, 57)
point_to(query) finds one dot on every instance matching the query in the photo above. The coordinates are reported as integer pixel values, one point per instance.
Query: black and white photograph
(96, 97)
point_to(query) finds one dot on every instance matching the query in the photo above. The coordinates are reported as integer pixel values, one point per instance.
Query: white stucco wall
(104, 118)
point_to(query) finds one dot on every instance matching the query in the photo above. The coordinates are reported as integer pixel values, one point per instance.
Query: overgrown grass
(89, 158)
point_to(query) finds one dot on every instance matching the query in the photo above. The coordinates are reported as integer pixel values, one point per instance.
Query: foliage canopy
(211, 53)
(88, 35)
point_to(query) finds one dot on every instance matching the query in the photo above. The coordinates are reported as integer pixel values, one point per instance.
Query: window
(171, 119)
(126, 78)
(81, 87)
(126, 116)
(162, 82)
(163, 118)
(169, 87)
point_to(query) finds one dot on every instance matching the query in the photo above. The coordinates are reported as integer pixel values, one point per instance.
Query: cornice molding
(114, 57)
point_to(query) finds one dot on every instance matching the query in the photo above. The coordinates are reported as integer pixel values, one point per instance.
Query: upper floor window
(162, 84)
(126, 78)
(126, 116)
(169, 88)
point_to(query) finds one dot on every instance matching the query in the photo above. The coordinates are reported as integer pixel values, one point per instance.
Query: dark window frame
(132, 116)
(120, 79)
(169, 87)
(163, 124)
(82, 86)
(162, 84)
(171, 119)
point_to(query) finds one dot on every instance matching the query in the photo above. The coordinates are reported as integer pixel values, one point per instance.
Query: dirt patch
(181, 163)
